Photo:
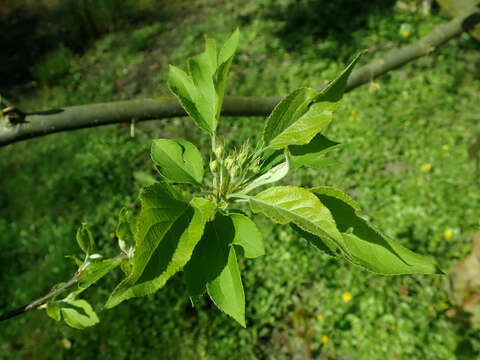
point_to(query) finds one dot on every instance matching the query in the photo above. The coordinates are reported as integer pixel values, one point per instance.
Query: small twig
(44, 299)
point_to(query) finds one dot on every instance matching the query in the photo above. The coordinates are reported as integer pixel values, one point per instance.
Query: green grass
(423, 113)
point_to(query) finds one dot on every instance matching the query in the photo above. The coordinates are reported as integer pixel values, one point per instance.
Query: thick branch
(77, 117)
(399, 57)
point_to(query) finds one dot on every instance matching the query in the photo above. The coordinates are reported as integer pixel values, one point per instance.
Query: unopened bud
(255, 168)
(229, 162)
(234, 171)
(213, 165)
(218, 151)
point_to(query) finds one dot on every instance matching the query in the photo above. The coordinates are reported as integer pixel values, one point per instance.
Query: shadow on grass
(305, 22)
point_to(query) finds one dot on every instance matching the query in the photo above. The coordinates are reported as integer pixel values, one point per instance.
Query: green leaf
(213, 267)
(201, 95)
(333, 93)
(303, 114)
(304, 128)
(168, 231)
(210, 255)
(224, 61)
(53, 310)
(285, 114)
(202, 72)
(184, 89)
(85, 239)
(226, 290)
(78, 313)
(143, 178)
(368, 247)
(95, 271)
(312, 154)
(178, 160)
(291, 204)
(211, 52)
(77, 261)
(175, 249)
(248, 239)
(125, 231)
(273, 175)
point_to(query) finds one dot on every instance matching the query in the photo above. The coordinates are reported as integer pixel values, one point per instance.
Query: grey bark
(77, 117)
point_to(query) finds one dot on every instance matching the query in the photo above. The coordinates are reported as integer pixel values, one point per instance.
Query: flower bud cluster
(231, 169)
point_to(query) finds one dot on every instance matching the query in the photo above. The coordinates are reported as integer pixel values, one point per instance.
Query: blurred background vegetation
(404, 158)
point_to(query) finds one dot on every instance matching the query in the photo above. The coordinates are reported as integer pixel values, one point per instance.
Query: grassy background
(404, 159)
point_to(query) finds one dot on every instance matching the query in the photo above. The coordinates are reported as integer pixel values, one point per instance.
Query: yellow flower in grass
(446, 147)
(319, 317)
(352, 115)
(426, 167)
(447, 234)
(346, 297)
(430, 308)
(324, 339)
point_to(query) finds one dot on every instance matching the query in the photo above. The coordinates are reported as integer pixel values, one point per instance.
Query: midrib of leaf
(300, 218)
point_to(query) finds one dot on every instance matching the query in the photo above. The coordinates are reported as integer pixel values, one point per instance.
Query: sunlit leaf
(178, 160)
(247, 238)
(182, 86)
(202, 72)
(333, 93)
(95, 271)
(291, 204)
(160, 210)
(168, 231)
(53, 310)
(285, 114)
(78, 313)
(225, 58)
(366, 246)
(85, 239)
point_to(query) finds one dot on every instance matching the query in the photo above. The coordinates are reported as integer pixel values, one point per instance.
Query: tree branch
(44, 299)
(77, 117)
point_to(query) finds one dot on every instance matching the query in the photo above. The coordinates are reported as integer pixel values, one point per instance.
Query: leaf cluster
(204, 231)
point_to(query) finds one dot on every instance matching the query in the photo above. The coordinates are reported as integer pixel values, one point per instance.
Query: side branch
(77, 117)
(44, 299)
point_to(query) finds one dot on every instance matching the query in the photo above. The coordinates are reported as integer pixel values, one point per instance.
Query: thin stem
(44, 299)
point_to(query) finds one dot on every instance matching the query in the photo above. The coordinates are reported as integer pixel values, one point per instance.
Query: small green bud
(229, 162)
(213, 165)
(255, 168)
(234, 171)
(218, 151)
